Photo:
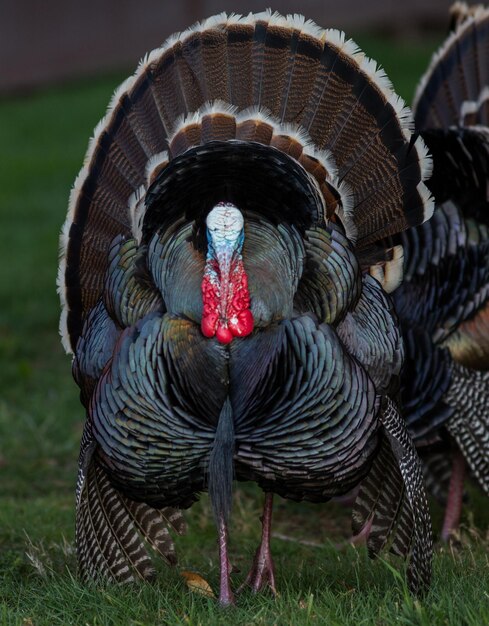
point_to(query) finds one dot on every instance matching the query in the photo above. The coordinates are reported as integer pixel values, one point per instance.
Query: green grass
(42, 142)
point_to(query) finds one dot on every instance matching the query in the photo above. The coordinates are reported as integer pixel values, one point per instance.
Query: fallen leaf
(198, 584)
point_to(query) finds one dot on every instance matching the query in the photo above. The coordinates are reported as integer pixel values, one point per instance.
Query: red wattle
(242, 324)
(226, 302)
(223, 334)
(246, 322)
(208, 325)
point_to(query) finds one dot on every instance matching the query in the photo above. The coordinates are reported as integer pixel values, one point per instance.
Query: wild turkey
(216, 295)
(443, 303)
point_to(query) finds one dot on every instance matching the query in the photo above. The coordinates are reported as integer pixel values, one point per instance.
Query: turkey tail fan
(328, 107)
(455, 89)
(469, 426)
(460, 11)
(392, 497)
(112, 531)
(460, 168)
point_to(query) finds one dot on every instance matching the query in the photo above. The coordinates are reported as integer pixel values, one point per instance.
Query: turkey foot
(262, 571)
(226, 596)
(453, 507)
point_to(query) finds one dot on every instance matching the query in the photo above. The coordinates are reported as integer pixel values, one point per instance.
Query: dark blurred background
(45, 42)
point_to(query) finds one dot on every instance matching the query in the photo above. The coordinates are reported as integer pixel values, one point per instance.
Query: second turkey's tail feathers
(453, 91)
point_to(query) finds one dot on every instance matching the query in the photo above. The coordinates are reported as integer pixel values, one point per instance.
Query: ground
(43, 137)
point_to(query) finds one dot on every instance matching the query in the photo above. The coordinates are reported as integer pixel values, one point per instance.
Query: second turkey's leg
(226, 596)
(262, 571)
(361, 538)
(453, 507)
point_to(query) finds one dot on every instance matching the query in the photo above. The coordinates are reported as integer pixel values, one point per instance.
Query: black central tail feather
(221, 465)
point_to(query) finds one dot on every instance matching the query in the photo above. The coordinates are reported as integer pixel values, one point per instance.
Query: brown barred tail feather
(112, 531)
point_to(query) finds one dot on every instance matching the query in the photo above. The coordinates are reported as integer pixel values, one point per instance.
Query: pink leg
(453, 508)
(226, 596)
(362, 537)
(262, 571)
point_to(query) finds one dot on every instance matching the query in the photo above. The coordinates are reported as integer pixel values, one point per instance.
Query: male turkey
(443, 303)
(216, 295)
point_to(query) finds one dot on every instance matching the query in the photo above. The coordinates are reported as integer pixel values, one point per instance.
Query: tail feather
(110, 540)
(214, 79)
(240, 64)
(273, 47)
(290, 71)
(454, 89)
(460, 11)
(144, 116)
(403, 537)
(153, 525)
(301, 76)
(111, 530)
(169, 73)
